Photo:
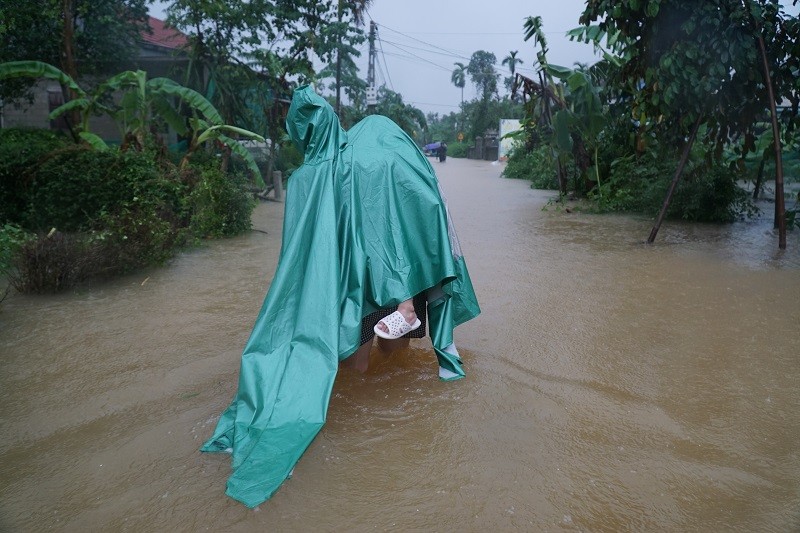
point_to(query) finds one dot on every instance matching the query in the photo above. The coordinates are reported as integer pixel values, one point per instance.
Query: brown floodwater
(611, 386)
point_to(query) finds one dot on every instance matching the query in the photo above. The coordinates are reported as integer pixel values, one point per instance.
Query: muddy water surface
(610, 386)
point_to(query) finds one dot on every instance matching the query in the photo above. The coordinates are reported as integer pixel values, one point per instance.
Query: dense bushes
(21, 151)
(706, 193)
(457, 149)
(536, 165)
(221, 205)
(634, 180)
(71, 213)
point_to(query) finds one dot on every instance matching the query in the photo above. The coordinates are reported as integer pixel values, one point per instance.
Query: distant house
(162, 53)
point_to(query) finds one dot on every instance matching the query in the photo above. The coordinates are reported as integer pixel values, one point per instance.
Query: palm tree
(512, 61)
(459, 78)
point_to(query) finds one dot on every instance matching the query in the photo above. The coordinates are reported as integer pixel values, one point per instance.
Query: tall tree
(82, 37)
(702, 64)
(408, 117)
(459, 77)
(512, 61)
(482, 73)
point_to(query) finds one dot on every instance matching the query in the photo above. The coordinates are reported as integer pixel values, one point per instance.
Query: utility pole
(372, 95)
(339, 65)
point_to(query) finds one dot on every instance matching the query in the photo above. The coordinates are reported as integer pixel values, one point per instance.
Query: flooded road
(611, 386)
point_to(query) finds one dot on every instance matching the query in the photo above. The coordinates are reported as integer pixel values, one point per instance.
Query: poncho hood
(314, 127)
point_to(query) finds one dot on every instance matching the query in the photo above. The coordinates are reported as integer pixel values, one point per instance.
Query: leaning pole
(675, 179)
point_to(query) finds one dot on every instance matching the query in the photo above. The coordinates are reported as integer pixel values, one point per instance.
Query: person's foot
(407, 310)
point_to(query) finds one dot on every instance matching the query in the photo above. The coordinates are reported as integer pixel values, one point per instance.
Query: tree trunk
(675, 179)
(780, 207)
(68, 62)
(759, 178)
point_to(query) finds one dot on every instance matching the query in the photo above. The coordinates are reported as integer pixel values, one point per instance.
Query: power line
(428, 50)
(423, 42)
(418, 57)
(380, 41)
(437, 50)
(437, 105)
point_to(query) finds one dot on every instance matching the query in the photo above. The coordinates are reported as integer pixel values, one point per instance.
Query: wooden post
(675, 178)
(277, 184)
(780, 207)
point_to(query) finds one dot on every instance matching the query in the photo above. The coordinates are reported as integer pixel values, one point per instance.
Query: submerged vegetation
(678, 106)
(73, 213)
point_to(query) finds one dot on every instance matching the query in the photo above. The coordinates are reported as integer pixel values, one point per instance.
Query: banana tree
(204, 131)
(142, 100)
(579, 124)
(39, 69)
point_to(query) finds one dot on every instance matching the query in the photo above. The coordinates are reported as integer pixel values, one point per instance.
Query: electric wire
(424, 42)
(407, 55)
(380, 41)
(412, 54)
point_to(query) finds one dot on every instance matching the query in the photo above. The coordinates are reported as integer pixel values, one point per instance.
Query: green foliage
(457, 149)
(478, 116)
(482, 73)
(12, 238)
(706, 193)
(289, 158)
(96, 213)
(21, 152)
(220, 204)
(410, 119)
(536, 165)
(682, 60)
(104, 39)
(75, 186)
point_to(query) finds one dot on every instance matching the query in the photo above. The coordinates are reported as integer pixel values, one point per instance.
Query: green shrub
(220, 204)
(21, 153)
(12, 238)
(53, 262)
(113, 212)
(536, 165)
(458, 149)
(75, 187)
(96, 213)
(287, 160)
(705, 193)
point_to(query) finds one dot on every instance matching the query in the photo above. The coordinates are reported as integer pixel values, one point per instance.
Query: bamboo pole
(675, 179)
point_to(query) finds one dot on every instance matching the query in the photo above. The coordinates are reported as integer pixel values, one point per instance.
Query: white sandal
(397, 325)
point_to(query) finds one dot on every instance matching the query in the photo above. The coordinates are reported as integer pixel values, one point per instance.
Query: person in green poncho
(366, 229)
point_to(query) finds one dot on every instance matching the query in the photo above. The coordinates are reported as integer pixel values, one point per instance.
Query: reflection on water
(611, 386)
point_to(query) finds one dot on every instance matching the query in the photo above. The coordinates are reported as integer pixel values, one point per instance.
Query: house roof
(163, 36)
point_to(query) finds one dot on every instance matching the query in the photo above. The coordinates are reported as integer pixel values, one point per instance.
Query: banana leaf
(38, 69)
(191, 97)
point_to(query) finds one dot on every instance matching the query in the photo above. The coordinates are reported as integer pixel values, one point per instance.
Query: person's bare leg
(360, 359)
(390, 345)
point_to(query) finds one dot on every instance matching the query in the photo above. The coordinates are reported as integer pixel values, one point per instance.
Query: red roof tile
(163, 36)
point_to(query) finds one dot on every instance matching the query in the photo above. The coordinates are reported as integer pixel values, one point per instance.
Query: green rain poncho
(365, 227)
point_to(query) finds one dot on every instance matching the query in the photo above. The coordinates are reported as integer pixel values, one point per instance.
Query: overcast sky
(420, 40)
